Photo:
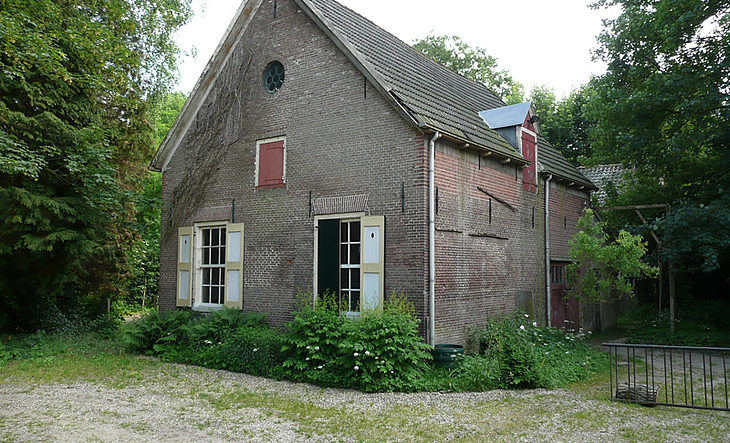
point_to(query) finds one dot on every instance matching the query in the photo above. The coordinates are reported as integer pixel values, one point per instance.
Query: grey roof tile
(553, 162)
(436, 97)
(601, 175)
(429, 95)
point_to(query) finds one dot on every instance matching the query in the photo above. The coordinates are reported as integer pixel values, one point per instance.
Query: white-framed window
(350, 265)
(271, 163)
(349, 260)
(211, 268)
(210, 265)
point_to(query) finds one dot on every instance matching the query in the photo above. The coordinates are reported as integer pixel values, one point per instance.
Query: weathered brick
(343, 139)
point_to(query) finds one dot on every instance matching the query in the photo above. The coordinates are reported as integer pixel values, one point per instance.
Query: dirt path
(174, 403)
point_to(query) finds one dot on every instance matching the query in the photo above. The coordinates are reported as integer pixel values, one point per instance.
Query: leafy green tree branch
(604, 270)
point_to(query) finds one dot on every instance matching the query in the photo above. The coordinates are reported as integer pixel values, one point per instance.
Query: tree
(565, 123)
(166, 114)
(604, 270)
(473, 63)
(144, 254)
(78, 83)
(663, 109)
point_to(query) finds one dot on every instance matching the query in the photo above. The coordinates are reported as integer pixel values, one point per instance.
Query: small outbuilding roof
(602, 175)
(506, 116)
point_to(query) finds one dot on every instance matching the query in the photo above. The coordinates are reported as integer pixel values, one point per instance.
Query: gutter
(432, 238)
(547, 249)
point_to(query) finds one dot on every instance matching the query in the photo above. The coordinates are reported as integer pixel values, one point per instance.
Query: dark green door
(328, 256)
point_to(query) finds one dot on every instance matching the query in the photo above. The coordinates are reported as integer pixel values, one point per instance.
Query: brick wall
(482, 263)
(342, 139)
(567, 204)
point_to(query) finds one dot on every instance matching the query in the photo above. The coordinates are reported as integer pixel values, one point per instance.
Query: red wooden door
(564, 309)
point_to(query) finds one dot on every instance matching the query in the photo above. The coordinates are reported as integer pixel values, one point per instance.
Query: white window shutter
(184, 266)
(234, 266)
(372, 262)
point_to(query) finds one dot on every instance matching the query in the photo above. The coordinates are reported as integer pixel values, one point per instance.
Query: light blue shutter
(184, 266)
(234, 266)
(372, 262)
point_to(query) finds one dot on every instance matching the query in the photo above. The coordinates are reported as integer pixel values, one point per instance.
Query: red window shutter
(271, 163)
(529, 174)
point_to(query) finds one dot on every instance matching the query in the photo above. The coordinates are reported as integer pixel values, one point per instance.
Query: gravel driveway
(175, 403)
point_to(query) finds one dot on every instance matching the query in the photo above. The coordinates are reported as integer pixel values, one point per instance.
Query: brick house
(317, 151)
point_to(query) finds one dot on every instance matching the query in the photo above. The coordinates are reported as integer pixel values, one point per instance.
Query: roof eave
(587, 184)
(489, 151)
(202, 88)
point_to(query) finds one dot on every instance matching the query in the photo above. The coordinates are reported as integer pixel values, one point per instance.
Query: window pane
(343, 254)
(214, 257)
(206, 295)
(344, 279)
(354, 279)
(215, 277)
(355, 300)
(214, 295)
(223, 236)
(206, 237)
(344, 238)
(206, 276)
(355, 254)
(354, 231)
(206, 256)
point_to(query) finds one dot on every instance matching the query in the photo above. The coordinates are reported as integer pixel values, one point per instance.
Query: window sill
(273, 186)
(207, 309)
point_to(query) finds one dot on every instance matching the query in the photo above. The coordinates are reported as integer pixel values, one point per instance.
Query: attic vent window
(274, 77)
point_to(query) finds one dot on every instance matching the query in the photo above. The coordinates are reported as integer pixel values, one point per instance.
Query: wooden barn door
(564, 309)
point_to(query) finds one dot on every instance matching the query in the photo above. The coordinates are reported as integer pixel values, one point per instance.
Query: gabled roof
(426, 94)
(434, 97)
(551, 161)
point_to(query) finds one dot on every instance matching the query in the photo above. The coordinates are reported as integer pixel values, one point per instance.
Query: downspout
(547, 249)
(432, 239)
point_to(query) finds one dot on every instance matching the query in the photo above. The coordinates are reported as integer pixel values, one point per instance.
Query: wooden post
(672, 313)
(661, 281)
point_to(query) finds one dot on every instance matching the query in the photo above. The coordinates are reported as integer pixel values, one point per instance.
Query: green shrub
(226, 339)
(382, 350)
(254, 350)
(475, 373)
(527, 356)
(508, 340)
(155, 332)
(378, 351)
(312, 343)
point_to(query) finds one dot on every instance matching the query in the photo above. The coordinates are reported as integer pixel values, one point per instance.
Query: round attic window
(274, 77)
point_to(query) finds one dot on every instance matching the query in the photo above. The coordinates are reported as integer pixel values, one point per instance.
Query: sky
(541, 43)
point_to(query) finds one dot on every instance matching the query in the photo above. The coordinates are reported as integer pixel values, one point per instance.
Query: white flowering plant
(532, 356)
(378, 351)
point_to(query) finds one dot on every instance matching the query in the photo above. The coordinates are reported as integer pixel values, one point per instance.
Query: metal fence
(683, 376)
